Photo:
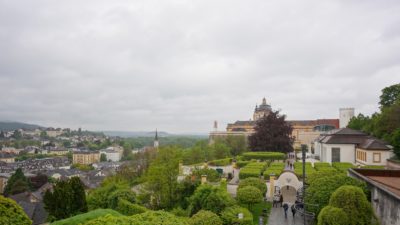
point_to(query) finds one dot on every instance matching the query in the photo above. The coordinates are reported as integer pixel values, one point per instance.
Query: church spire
(264, 101)
(156, 143)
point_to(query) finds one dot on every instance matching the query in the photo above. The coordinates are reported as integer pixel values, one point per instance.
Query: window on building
(376, 157)
(335, 154)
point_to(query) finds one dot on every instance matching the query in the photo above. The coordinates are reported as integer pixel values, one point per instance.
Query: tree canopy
(390, 95)
(17, 183)
(67, 199)
(204, 217)
(272, 133)
(210, 198)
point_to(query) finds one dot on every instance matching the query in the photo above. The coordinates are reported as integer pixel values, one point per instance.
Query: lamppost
(303, 152)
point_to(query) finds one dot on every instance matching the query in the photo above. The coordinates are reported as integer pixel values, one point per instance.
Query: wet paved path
(277, 217)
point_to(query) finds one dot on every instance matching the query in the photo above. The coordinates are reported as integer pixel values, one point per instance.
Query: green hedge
(343, 166)
(264, 155)
(241, 164)
(373, 167)
(253, 169)
(82, 218)
(298, 169)
(127, 208)
(220, 162)
(321, 164)
(275, 168)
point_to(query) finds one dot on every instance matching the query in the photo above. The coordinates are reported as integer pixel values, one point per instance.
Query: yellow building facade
(85, 157)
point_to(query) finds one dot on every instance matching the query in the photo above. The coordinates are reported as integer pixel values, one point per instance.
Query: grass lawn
(257, 209)
(81, 218)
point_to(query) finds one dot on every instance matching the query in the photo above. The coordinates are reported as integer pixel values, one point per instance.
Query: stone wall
(385, 206)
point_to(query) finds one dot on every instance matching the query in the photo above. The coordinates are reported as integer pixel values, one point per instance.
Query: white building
(111, 155)
(347, 145)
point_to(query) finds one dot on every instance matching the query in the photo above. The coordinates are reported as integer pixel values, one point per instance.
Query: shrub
(108, 196)
(230, 216)
(12, 213)
(204, 217)
(249, 195)
(264, 155)
(332, 216)
(319, 191)
(321, 164)
(355, 204)
(373, 167)
(254, 182)
(124, 194)
(127, 208)
(210, 198)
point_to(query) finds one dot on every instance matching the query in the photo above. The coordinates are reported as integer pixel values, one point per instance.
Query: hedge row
(264, 155)
(241, 164)
(127, 208)
(274, 168)
(253, 169)
(298, 169)
(342, 166)
(220, 162)
(321, 164)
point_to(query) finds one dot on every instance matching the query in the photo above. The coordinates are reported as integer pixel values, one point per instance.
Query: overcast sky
(179, 65)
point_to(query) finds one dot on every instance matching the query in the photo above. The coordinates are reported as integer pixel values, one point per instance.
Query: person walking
(293, 208)
(285, 208)
(280, 198)
(276, 200)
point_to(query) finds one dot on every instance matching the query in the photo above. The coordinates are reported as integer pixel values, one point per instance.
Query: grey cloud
(180, 65)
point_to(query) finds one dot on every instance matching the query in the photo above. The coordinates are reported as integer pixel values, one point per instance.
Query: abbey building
(304, 131)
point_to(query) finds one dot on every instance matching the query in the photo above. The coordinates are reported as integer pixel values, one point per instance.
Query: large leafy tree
(332, 216)
(17, 183)
(67, 199)
(249, 195)
(204, 217)
(12, 213)
(390, 95)
(162, 177)
(272, 133)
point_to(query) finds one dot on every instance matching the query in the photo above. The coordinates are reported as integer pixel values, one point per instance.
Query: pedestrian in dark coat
(293, 208)
(285, 208)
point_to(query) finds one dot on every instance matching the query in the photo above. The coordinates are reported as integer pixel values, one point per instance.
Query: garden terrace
(324, 167)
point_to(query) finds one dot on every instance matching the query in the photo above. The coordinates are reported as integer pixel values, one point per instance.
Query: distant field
(81, 218)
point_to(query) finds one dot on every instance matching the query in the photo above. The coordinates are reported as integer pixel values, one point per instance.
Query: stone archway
(288, 184)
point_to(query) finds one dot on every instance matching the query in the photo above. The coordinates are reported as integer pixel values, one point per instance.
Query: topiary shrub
(332, 216)
(12, 213)
(127, 208)
(230, 216)
(355, 204)
(319, 192)
(249, 195)
(255, 182)
(204, 217)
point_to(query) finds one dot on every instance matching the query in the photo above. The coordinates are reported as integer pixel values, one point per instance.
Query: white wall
(347, 152)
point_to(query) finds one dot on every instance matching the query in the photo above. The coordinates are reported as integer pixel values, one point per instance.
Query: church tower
(156, 143)
(262, 110)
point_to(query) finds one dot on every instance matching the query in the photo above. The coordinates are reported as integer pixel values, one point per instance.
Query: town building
(385, 192)
(348, 145)
(57, 151)
(7, 157)
(304, 131)
(111, 155)
(85, 157)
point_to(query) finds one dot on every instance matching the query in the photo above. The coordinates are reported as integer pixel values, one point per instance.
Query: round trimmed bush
(249, 195)
(354, 203)
(12, 213)
(254, 182)
(230, 216)
(204, 217)
(332, 216)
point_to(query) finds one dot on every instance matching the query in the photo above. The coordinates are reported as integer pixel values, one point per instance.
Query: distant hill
(136, 133)
(128, 134)
(10, 126)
